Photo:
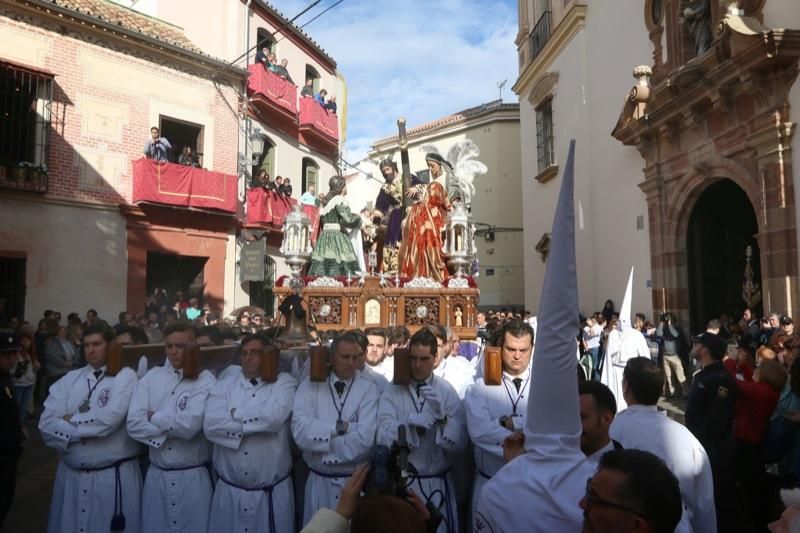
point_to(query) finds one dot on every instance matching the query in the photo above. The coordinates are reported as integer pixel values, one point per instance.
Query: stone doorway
(722, 225)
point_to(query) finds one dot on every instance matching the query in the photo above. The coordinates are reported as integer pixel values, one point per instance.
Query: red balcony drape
(179, 185)
(272, 86)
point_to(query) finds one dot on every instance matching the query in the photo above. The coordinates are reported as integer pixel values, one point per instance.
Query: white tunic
(622, 347)
(177, 488)
(431, 453)
(251, 451)
(379, 380)
(458, 372)
(331, 457)
(84, 501)
(385, 368)
(485, 404)
(645, 428)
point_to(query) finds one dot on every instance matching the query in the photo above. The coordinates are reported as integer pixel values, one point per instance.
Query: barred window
(25, 104)
(544, 135)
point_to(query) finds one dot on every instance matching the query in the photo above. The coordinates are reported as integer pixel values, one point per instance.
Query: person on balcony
(157, 147)
(262, 57)
(320, 97)
(272, 62)
(330, 105)
(308, 89)
(260, 180)
(283, 72)
(188, 157)
(286, 188)
(334, 254)
(309, 197)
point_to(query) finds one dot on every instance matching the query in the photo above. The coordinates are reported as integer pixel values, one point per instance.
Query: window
(310, 174)
(267, 159)
(312, 74)
(25, 99)
(12, 286)
(180, 134)
(264, 38)
(544, 135)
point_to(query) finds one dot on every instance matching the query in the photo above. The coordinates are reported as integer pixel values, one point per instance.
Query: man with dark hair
(124, 321)
(455, 370)
(364, 368)
(632, 491)
(433, 417)
(710, 410)
(84, 420)
(166, 415)
(494, 413)
(157, 147)
(333, 423)
(377, 345)
(91, 318)
(247, 419)
(642, 426)
(598, 409)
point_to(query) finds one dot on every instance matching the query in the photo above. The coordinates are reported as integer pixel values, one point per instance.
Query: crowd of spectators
(279, 185)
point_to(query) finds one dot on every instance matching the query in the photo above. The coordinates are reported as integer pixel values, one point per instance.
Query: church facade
(689, 177)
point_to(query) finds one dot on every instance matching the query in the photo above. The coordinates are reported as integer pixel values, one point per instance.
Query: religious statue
(459, 316)
(451, 182)
(698, 18)
(389, 213)
(334, 254)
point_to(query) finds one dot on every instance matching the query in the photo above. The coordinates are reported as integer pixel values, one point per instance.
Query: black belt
(343, 475)
(206, 465)
(118, 518)
(265, 488)
(443, 476)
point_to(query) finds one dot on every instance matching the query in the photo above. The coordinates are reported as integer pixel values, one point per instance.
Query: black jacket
(10, 427)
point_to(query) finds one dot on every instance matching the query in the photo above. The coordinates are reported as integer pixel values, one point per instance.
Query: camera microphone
(402, 451)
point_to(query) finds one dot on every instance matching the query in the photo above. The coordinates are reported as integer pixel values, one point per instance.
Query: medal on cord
(86, 403)
(340, 430)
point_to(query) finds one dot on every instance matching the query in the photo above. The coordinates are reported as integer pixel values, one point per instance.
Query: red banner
(272, 86)
(269, 207)
(313, 114)
(179, 185)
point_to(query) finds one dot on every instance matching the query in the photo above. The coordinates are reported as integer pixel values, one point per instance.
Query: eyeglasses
(593, 499)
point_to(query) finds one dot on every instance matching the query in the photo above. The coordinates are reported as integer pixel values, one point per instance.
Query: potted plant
(22, 171)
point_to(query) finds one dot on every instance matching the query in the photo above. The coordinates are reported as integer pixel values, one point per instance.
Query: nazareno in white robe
(84, 491)
(332, 458)
(177, 488)
(431, 453)
(252, 454)
(485, 404)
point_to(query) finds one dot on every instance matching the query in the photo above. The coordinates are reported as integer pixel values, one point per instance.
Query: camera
(390, 471)
(22, 367)
(664, 317)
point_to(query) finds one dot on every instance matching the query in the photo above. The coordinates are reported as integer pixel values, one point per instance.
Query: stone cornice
(568, 27)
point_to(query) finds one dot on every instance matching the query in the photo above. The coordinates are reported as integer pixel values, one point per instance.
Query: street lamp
(256, 144)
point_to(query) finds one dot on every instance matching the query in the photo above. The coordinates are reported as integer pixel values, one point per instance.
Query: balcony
(318, 126)
(272, 96)
(540, 34)
(181, 186)
(268, 208)
(23, 178)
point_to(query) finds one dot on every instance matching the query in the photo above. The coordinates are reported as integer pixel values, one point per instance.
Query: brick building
(86, 222)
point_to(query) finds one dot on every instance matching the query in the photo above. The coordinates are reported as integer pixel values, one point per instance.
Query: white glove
(422, 420)
(434, 401)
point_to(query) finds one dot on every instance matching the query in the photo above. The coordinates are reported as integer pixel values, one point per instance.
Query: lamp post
(459, 246)
(296, 246)
(256, 149)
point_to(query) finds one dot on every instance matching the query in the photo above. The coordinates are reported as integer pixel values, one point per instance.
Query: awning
(35, 71)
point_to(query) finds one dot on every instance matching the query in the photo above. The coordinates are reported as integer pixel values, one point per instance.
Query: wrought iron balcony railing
(540, 34)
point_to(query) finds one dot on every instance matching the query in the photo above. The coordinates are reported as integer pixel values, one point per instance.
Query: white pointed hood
(625, 322)
(553, 409)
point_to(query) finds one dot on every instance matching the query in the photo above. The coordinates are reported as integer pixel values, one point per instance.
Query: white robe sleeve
(310, 433)
(139, 427)
(360, 436)
(218, 425)
(270, 415)
(389, 418)
(484, 430)
(186, 423)
(101, 422)
(453, 434)
(57, 432)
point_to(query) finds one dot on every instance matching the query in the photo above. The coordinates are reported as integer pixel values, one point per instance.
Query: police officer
(10, 427)
(709, 416)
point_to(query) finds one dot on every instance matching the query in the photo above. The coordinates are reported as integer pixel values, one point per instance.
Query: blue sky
(421, 59)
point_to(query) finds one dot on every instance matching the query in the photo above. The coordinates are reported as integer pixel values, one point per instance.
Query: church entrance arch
(721, 234)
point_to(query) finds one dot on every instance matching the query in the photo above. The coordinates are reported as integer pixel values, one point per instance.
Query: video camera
(390, 471)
